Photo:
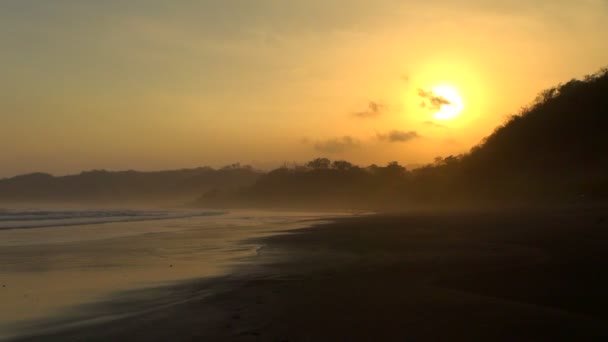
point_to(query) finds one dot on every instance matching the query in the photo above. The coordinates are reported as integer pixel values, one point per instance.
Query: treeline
(116, 186)
(554, 151)
(319, 183)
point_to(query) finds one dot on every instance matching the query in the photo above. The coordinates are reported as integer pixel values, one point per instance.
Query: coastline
(59, 278)
(521, 275)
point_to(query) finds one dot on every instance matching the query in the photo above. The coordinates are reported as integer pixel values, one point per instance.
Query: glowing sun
(453, 106)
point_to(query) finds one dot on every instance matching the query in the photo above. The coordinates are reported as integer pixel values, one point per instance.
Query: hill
(116, 186)
(553, 151)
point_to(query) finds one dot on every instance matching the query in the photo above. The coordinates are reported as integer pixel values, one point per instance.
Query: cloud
(431, 100)
(398, 136)
(373, 110)
(336, 145)
(405, 78)
(434, 124)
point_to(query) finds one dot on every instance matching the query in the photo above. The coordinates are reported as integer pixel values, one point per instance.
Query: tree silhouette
(319, 164)
(552, 151)
(341, 165)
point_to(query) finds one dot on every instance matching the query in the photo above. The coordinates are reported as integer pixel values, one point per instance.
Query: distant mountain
(111, 186)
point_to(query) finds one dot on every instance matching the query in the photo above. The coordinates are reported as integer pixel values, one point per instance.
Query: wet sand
(57, 277)
(517, 275)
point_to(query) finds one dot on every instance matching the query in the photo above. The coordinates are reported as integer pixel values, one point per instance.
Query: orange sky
(158, 85)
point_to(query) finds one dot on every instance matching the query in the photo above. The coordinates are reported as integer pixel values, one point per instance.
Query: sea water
(53, 262)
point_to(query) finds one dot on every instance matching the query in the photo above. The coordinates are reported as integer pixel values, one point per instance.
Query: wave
(27, 219)
(51, 215)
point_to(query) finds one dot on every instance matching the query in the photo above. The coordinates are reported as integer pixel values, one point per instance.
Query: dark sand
(517, 275)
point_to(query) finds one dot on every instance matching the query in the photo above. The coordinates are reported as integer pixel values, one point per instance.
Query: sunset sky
(151, 85)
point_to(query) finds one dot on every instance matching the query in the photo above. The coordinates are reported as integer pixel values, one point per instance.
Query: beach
(508, 275)
(63, 269)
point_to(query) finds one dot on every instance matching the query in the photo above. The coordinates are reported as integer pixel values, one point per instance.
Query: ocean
(55, 263)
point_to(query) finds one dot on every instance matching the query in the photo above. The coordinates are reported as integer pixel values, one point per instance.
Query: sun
(448, 111)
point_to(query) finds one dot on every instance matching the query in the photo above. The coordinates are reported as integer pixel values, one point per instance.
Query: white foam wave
(28, 219)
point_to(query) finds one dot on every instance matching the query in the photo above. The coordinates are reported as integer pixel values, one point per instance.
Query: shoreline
(494, 276)
(62, 278)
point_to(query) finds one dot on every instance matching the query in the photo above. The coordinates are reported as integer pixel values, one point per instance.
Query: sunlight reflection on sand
(46, 271)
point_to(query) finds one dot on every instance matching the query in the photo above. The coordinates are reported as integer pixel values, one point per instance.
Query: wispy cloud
(336, 145)
(398, 136)
(434, 124)
(373, 110)
(431, 100)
